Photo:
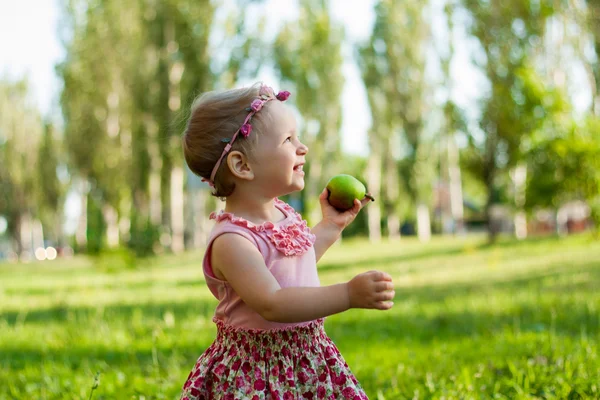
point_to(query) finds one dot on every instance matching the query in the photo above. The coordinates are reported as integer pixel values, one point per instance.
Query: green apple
(343, 189)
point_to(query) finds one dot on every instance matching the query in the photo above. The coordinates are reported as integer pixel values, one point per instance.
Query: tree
(20, 135)
(129, 70)
(393, 66)
(454, 121)
(516, 103)
(308, 56)
(372, 78)
(50, 193)
(96, 107)
(594, 26)
(565, 168)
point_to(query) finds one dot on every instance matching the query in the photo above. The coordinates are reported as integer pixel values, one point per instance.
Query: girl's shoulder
(291, 236)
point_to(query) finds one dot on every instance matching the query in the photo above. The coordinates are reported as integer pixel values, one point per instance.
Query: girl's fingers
(382, 276)
(383, 286)
(384, 305)
(383, 296)
(323, 196)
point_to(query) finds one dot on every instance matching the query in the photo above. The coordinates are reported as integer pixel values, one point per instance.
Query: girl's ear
(239, 166)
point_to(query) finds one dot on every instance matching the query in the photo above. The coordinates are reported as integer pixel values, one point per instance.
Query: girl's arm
(242, 265)
(333, 223)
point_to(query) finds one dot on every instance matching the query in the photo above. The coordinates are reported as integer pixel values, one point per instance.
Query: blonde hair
(216, 116)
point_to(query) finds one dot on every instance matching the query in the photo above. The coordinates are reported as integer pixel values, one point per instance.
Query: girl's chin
(299, 185)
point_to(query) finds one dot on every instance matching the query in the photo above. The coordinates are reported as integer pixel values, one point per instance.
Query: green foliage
(308, 55)
(517, 320)
(519, 100)
(96, 226)
(20, 136)
(566, 167)
(144, 236)
(593, 23)
(393, 67)
(129, 71)
(50, 196)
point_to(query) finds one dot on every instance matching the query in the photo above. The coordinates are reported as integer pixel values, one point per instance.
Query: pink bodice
(287, 248)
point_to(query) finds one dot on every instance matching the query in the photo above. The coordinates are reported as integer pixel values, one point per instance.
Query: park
(469, 129)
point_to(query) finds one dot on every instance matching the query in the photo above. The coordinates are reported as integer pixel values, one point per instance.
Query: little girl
(261, 258)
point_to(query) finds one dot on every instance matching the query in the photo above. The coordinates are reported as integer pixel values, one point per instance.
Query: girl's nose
(302, 149)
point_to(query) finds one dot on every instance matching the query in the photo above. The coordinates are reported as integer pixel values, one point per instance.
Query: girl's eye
(289, 139)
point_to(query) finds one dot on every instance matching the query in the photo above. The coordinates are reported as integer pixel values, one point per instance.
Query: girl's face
(279, 155)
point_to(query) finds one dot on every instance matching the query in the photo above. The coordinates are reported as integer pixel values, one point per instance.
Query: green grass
(518, 320)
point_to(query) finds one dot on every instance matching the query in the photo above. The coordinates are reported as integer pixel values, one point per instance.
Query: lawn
(518, 320)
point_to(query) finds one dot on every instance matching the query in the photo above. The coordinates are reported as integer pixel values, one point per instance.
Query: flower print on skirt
(283, 364)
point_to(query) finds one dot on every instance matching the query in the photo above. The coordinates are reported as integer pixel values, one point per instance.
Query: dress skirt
(290, 363)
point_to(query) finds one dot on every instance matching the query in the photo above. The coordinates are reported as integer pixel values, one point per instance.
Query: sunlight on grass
(515, 320)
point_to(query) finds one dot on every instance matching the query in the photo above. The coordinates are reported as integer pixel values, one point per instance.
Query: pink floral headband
(265, 95)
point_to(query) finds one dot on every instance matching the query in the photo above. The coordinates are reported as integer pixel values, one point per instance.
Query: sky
(30, 47)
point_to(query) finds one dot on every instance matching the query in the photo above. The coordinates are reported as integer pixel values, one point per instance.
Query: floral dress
(252, 358)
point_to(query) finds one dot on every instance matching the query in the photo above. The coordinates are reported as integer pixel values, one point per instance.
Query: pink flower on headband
(283, 95)
(256, 105)
(245, 130)
(266, 91)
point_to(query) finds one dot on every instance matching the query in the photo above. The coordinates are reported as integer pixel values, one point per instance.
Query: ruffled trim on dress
(304, 328)
(293, 237)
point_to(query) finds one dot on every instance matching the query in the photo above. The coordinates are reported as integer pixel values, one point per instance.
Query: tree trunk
(392, 191)
(198, 209)
(374, 181)
(518, 176)
(456, 195)
(25, 237)
(489, 175)
(155, 199)
(561, 223)
(313, 178)
(81, 232)
(177, 209)
(16, 234)
(164, 118)
(492, 223)
(112, 226)
(423, 223)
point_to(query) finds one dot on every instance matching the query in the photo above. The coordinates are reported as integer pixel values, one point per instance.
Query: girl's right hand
(373, 289)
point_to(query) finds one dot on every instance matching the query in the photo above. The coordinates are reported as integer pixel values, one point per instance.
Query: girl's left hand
(340, 219)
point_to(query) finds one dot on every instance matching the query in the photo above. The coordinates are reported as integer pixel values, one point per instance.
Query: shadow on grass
(505, 241)
(557, 273)
(532, 281)
(140, 319)
(562, 316)
(181, 311)
(381, 262)
(383, 328)
(457, 326)
(116, 284)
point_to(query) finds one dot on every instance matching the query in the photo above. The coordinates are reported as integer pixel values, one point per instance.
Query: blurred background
(460, 116)
(475, 124)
